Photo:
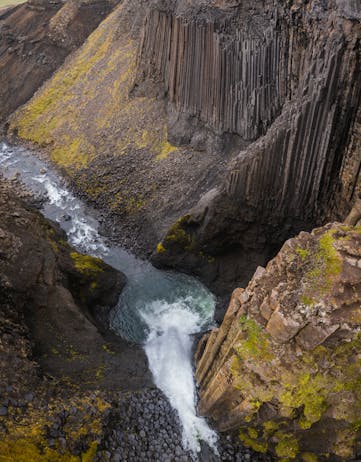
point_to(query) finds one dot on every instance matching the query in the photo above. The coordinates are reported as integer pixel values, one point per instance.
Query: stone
(312, 336)
(302, 365)
(282, 329)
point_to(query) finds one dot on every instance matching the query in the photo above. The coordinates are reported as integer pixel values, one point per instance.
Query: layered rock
(283, 369)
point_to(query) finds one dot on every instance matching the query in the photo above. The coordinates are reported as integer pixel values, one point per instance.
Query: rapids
(160, 309)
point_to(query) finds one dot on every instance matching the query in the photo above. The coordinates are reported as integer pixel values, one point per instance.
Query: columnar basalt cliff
(234, 79)
(302, 64)
(234, 124)
(283, 369)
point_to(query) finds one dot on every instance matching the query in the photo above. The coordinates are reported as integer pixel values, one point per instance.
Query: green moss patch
(325, 264)
(87, 265)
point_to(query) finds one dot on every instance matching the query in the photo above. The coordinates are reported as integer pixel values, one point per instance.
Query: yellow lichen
(86, 264)
(160, 248)
(325, 266)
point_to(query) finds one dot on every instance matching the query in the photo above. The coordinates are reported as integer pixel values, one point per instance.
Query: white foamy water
(160, 309)
(168, 349)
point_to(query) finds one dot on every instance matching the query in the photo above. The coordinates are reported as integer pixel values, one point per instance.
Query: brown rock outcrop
(285, 363)
(61, 298)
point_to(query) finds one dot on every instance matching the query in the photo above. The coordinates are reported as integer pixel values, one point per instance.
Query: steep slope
(112, 143)
(229, 124)
(283, 370)
(57, 371)
(35, 39)
(289, 74)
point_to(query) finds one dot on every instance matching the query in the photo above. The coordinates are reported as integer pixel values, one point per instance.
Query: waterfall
(160, 309)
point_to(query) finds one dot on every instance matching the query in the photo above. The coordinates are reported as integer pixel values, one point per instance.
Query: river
(159, 309)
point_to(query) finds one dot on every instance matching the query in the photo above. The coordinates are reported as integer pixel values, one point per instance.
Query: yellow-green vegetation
(309, 457)
(160, 248)
(325, 265)
(87, 265)
(26, 440)
(166, 149)
(254, 343)
(303, 253)
(98, 79)
(250, 438)
(303, 389)
(287, 446)
(178, 237)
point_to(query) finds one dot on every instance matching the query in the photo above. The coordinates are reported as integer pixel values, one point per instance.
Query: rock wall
(295, 80)
(234, 79)
(283, 369)
(222, 128)
(60, 298)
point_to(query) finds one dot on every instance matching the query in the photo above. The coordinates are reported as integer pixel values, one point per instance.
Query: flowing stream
(159, 309)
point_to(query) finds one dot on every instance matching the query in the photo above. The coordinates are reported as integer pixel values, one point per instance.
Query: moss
(160, 248)
(309, 457)
(108, 350)
(270, 426)
(177, 235)
(309, 393)
(255, 343)
(254, 443)
(26, 450)
(165, 150)
(253, 433)
(89, 455)
(287, 447)
(303, 253)
(325, 266)
(87, 265)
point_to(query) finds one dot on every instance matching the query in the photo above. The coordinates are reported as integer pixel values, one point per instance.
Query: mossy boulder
(284, 368)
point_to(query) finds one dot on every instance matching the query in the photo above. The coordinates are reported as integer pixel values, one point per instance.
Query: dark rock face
(35, 39)
(63, 297)
(285, 77)
(240, 122)
(57, 370)
(233, 79)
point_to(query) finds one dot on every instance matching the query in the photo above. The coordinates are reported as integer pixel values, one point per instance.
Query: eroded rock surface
(283, 369)
(57, 370)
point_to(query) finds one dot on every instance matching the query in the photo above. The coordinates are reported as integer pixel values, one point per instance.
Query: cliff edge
(283, 369)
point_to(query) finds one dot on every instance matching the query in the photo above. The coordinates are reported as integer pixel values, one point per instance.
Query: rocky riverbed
(143, 427)
(77, 393)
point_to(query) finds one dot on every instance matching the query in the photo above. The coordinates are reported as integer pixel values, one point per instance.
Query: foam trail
(159, 309)
(168, 348)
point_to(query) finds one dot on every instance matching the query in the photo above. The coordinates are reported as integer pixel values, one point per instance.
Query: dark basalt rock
(64, 298)
(287, 78)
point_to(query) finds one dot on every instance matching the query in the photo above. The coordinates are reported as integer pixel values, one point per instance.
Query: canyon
(207, 134)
